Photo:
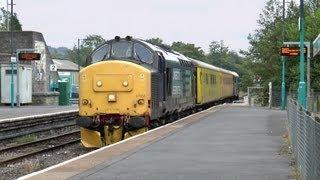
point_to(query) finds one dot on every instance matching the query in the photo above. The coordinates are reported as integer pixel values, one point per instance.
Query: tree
(155, 41)
(93, 41)
(266, 41)
(189, 50)
(88, 45)
(218, 53)
(5, 19)
(58, 53)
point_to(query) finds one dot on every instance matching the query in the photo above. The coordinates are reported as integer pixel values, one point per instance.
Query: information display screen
(291, 51)
(29, 56)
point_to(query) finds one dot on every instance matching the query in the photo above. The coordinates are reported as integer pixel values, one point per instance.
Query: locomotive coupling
(87, 122)
(134, 123)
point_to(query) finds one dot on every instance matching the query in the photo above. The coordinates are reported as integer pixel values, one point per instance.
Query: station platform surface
(6, 112)
(227, 142)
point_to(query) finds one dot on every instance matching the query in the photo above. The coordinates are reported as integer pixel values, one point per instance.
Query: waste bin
(64, 98)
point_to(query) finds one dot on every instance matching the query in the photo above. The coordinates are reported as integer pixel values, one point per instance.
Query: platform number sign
(53, 67)
(13, 59)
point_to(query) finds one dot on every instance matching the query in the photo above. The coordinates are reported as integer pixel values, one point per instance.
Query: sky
(193, 21)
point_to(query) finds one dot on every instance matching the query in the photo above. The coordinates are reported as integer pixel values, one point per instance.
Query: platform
(225, 142)
(6, 112)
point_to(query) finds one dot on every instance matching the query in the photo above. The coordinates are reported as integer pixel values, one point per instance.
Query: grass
(26, 139)
(286, 149)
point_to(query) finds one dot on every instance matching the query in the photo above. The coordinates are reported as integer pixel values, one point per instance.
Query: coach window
(101, 54)
(142, 53)
(207, 82)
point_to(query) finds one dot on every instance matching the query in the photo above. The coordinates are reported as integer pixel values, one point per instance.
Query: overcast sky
(192, 21)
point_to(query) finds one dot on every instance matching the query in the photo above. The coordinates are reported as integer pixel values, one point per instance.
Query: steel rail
(38, 130)
(35, 152)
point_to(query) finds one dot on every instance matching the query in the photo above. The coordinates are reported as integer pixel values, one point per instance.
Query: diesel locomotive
(132, 85)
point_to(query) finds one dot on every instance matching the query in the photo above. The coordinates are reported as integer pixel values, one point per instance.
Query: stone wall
(48, 98)
(41, 69)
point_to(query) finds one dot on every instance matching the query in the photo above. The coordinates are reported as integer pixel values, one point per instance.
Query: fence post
(270, 95)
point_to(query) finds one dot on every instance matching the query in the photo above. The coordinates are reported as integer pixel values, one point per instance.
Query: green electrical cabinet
(64, 97)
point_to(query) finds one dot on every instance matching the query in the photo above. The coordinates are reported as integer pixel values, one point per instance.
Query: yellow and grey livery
(132, 85)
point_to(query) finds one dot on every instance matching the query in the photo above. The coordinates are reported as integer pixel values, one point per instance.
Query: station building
(35, 76)
(68, 71)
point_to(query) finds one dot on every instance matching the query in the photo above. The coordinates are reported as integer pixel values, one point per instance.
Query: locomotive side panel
(179, 88)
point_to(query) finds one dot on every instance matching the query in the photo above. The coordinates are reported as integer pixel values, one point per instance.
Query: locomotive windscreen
(123, 50)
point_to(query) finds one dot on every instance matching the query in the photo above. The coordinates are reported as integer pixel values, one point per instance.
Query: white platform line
(36, 116)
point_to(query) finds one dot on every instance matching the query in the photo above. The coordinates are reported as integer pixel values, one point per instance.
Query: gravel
(41, 161)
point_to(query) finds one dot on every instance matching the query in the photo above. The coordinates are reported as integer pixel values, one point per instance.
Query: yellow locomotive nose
(112, 101)
(114, 87)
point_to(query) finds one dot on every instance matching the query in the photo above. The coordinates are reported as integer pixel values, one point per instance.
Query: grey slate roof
(65, 65)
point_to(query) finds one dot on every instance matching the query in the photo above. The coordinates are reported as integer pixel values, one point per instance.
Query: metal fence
(314, 102)
(304, 131)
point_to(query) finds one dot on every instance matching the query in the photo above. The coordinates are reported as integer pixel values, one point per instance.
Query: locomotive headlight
(125, 83)
(99, 83)
(112, 98)
(140, 101)
(85, 102)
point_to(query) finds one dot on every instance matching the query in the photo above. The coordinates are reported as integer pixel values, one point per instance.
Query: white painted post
(270, 95)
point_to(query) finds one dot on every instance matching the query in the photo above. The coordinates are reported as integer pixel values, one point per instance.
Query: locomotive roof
(168, 55)
(175, 56)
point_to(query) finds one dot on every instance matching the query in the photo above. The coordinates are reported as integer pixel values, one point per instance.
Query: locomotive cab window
(101, 54)
(121, 49)
(142, 53)
(124, 50)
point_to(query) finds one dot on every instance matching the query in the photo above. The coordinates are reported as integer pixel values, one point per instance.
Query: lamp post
(302, 84)
(12, 55)
(7, 23)
(283, 60)
(78, 51)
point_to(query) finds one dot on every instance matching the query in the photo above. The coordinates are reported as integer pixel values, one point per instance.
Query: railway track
(17, 128)
(20, 152)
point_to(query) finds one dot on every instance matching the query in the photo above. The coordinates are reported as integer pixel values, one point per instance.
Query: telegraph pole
(78, 52)
(7, 23)
(302, 84)
(283, 60)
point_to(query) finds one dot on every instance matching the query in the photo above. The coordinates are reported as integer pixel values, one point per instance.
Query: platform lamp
(302, 85)
(12, 55)
(283, 60)
(78, 52)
